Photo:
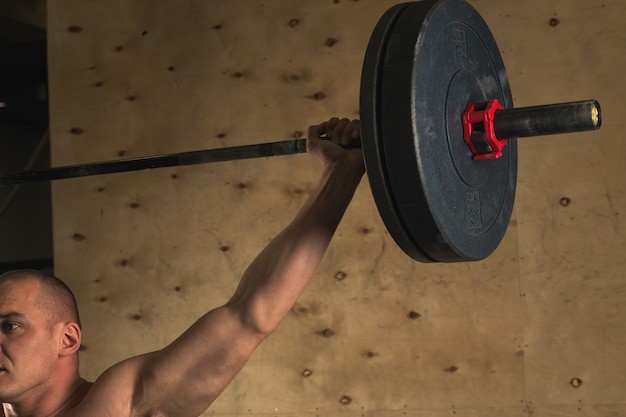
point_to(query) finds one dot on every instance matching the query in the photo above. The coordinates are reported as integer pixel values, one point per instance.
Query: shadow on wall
(25, 211)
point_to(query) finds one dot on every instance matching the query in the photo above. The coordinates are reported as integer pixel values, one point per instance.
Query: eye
(8, 327)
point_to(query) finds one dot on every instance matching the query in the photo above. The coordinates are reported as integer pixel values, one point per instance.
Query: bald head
(54, 298)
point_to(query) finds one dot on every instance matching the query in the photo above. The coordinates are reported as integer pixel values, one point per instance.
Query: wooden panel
(571, 196)
(149, 252)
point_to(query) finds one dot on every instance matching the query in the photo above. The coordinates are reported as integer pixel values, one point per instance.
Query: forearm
(273, 282)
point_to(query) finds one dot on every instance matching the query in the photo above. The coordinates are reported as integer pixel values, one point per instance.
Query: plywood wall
(536, 329)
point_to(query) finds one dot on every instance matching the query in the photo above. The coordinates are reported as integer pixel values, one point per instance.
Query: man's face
(28, 347)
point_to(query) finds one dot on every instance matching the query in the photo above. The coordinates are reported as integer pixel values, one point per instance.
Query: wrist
(351, 169)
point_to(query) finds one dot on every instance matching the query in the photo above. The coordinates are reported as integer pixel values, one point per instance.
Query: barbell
(438, 132)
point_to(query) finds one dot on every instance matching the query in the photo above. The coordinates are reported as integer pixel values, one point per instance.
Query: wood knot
(414, 315)
(326, 333)
(300, 309)
(345, 400)
(341, 275)
(78, 237)
(317, 96)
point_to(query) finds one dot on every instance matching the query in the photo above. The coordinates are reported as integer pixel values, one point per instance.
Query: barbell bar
(438, 132)
(520, 122)
(262, 150)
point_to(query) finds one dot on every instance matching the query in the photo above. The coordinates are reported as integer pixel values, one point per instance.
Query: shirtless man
(40, 331)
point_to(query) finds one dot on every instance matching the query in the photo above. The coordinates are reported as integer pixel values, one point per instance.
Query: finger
(314, 134)
(316, 131)
(340, 135)
(354, 129)
(351, 133)
(331, 126)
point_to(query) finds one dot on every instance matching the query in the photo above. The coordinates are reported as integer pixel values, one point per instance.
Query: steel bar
(551, 119)
(262, 150)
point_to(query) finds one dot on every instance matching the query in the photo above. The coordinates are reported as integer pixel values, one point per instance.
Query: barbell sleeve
(549, 119)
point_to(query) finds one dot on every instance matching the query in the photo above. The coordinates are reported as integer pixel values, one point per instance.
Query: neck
(52, 403)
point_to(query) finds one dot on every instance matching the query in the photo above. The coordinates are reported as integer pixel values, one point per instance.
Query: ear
(70, 339)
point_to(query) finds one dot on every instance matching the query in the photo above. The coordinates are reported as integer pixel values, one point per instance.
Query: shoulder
(115, 393)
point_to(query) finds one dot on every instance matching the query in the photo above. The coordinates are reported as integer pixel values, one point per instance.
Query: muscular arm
(186, 377)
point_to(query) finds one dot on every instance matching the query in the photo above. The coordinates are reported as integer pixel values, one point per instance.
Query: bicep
(189, 374)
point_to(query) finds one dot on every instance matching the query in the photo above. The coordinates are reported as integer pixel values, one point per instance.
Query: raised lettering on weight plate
(472, 210)
(460, 45)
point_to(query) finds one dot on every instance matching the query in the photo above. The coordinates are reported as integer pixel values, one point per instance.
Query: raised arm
(187, 376)
(274, 281)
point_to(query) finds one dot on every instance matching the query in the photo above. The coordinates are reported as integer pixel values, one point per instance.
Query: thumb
(314, 136)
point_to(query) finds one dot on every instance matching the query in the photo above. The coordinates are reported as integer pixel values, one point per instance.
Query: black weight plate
(372, 147)
(425, 61)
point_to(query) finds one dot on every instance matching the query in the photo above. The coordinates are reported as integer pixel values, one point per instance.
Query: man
(40, 330)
